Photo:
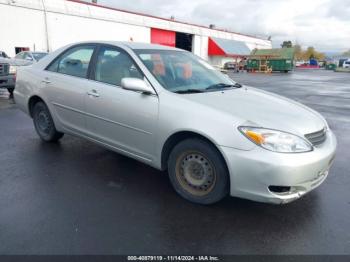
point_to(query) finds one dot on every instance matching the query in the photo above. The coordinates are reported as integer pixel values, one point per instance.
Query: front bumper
(8, 81)
(253, 172)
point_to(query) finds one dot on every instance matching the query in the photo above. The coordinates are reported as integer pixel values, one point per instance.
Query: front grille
(4, 69)
(317, 138)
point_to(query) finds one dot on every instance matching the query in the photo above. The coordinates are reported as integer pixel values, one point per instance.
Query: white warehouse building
(45, 25)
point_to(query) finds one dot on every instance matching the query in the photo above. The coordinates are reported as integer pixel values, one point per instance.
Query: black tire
(44, 124)
(198, 172)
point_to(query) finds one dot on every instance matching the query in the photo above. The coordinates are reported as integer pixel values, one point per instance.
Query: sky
(324, 24)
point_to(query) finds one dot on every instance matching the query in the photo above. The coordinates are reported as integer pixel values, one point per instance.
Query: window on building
(21, 49)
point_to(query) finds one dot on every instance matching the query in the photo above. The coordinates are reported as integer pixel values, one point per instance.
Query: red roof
(157, 17)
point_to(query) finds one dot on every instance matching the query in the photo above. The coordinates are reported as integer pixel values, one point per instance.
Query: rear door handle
(93, 93)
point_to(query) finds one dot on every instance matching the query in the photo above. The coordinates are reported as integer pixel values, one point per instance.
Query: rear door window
(74, 62)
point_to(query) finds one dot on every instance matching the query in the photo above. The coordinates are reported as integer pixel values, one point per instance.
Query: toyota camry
(173, 111)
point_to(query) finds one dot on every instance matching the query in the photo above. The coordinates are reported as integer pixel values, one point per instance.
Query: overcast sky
(324, 24)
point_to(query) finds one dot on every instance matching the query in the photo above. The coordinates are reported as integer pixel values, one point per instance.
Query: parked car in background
(8, 67)
(346, 64)
(7, 74)
(3, 54)
(229, 66)
(30, 56)
(300, 63)
(172, 110)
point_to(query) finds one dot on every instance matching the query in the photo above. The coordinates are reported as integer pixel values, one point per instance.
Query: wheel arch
(32, 101)
(179, 136)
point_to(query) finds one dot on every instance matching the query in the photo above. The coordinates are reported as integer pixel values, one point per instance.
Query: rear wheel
(198, 172)
(44, 124)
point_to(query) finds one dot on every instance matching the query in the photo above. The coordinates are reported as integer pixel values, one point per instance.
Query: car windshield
(183, 72)
(38, 56)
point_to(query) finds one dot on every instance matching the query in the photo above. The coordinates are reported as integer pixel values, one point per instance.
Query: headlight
(275, 140)
(12, 69)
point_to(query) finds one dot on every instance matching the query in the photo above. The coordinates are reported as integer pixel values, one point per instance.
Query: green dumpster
(276, 59)
(253, 64)
(331, 66)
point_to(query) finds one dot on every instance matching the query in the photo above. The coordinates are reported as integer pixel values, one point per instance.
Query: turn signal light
(257, 138)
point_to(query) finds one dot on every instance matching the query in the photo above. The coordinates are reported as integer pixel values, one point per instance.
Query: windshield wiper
(223, 86)
(188, 91)
(218, 86)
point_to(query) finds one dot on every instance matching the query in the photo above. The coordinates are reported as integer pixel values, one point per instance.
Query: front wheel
(44, 124)
(198, 172)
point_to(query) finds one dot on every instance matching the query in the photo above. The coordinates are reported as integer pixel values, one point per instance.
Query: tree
(298, 53)
(287, 44)
(311, 53)
(320, 56)
(346, 53)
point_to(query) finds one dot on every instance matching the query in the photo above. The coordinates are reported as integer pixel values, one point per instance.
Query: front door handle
(93, 93)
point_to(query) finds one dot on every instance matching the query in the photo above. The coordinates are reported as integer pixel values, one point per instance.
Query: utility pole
(46, 29)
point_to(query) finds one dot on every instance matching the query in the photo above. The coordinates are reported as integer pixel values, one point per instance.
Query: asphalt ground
(75, 197)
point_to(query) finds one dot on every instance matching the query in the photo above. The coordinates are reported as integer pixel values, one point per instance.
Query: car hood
(259, 108)
(15, 62)
(5, 60)
(21, 62)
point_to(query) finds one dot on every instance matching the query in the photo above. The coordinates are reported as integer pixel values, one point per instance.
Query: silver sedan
(172, 110)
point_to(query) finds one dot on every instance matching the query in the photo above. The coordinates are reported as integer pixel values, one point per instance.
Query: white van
(346, 64)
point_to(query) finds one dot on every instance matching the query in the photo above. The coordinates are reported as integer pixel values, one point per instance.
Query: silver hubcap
(43, 122)
(195, 173)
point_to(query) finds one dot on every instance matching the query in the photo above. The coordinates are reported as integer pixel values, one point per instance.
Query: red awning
(214, 49)
(227, 47)
(163, 37)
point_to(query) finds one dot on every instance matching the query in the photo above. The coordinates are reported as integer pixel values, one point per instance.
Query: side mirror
(29, 58)
(136, 84)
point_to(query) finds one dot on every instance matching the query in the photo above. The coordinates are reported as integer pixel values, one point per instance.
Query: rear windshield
(38, 56)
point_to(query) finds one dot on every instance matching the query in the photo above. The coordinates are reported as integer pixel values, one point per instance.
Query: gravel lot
(75, 197)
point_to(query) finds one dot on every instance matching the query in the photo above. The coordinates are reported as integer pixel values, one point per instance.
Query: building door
(184, 41)
(21, 49)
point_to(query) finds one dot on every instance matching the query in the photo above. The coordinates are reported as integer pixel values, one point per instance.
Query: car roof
(133, 45)
(32, 52)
